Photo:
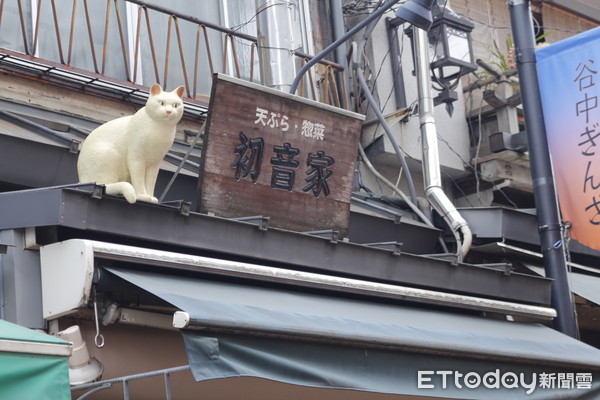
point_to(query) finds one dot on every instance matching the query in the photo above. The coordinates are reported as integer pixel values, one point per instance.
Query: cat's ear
(155, 89)
(179, 91)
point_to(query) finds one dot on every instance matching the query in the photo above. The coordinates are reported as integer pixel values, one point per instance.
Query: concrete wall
(452, 130)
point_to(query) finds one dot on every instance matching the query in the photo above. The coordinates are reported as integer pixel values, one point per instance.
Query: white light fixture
(82, 367)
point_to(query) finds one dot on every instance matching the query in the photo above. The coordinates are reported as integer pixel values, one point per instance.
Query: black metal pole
(548, 216)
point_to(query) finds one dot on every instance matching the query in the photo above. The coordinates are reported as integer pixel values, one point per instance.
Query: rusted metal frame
(336, 93)
(236, 61)
(222, 29)
(336, 66)
(311, 83)
(199, 30)
(225, 51)
(151, 40)
(182, 57)
(253, 48)
(123, 47)
(345, 97)
(326, 86)
(137, 44)
(195, 20)
(208, 51)
(331, 66)
(71, 32)
(1, 11)
(36, 28)
(22, 19)
(230, 35)
(57, 30)
(196, 60)
(168, 50)
(302, 83)
(105, 43)
(90, 34)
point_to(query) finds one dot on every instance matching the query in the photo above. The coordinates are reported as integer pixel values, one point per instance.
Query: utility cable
(182, 163)
(375, 15)
(361, 80)
(387, 130)
(400, 193)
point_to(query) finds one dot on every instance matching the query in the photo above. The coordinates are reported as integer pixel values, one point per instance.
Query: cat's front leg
(137, 173)
(151, 176)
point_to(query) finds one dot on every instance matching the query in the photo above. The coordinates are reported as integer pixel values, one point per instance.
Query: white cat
(124, 154)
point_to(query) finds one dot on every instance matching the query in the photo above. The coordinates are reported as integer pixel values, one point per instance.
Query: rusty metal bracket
(259, 220)
(330, 234)
(394, 247)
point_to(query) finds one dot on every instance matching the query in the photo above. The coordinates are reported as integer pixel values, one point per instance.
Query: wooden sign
(273, 154)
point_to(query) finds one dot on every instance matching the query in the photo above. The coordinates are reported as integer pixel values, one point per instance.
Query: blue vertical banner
(569, 75)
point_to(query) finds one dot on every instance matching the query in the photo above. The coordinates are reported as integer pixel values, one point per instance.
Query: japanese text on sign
(585, 75)
(248, 161)
(276, 120)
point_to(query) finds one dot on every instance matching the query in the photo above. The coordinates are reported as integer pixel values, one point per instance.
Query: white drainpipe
(431, 159)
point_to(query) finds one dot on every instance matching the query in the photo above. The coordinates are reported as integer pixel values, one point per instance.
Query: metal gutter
(501, 223)
(31, 347)
(167, 228)
(95, 250)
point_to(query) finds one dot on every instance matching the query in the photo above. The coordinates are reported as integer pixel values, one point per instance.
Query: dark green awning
(584, 285)
(322, 341)
(33, 365)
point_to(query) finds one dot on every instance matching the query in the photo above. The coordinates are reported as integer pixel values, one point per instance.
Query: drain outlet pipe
(431, 160)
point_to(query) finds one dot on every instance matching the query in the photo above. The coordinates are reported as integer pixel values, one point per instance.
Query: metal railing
(132, 32)
(124, 380)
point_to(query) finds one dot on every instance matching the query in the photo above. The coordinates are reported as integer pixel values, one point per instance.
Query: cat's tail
(122, 188)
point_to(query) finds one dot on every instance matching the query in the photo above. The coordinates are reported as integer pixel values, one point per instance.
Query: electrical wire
(400, 193)
(479, 140)
(182, 163)
(476, 173)
(502, 27)
(360, 76)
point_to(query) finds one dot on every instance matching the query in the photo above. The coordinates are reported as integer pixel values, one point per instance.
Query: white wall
(452, 131)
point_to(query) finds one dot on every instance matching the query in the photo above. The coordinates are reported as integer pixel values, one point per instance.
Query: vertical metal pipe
(276, 44)
(337, 24)
(429, 141)
(396, 59)
(125, 389)
(168, 386)
(548, 216)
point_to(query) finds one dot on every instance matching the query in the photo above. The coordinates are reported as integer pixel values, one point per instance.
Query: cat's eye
(175, 105)
(162, 103)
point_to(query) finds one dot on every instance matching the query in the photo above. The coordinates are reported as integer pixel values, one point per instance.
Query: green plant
(504, 59)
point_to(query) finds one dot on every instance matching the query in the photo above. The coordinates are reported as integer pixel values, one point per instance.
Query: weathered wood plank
(268, 153)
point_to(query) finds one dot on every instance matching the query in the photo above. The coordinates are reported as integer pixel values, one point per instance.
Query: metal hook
(99, 338)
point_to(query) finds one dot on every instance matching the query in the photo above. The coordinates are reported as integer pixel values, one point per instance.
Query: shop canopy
(33, 365)
(317, 340)
(586, 285)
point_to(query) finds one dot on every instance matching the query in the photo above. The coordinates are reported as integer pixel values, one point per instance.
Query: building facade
(334, 285)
